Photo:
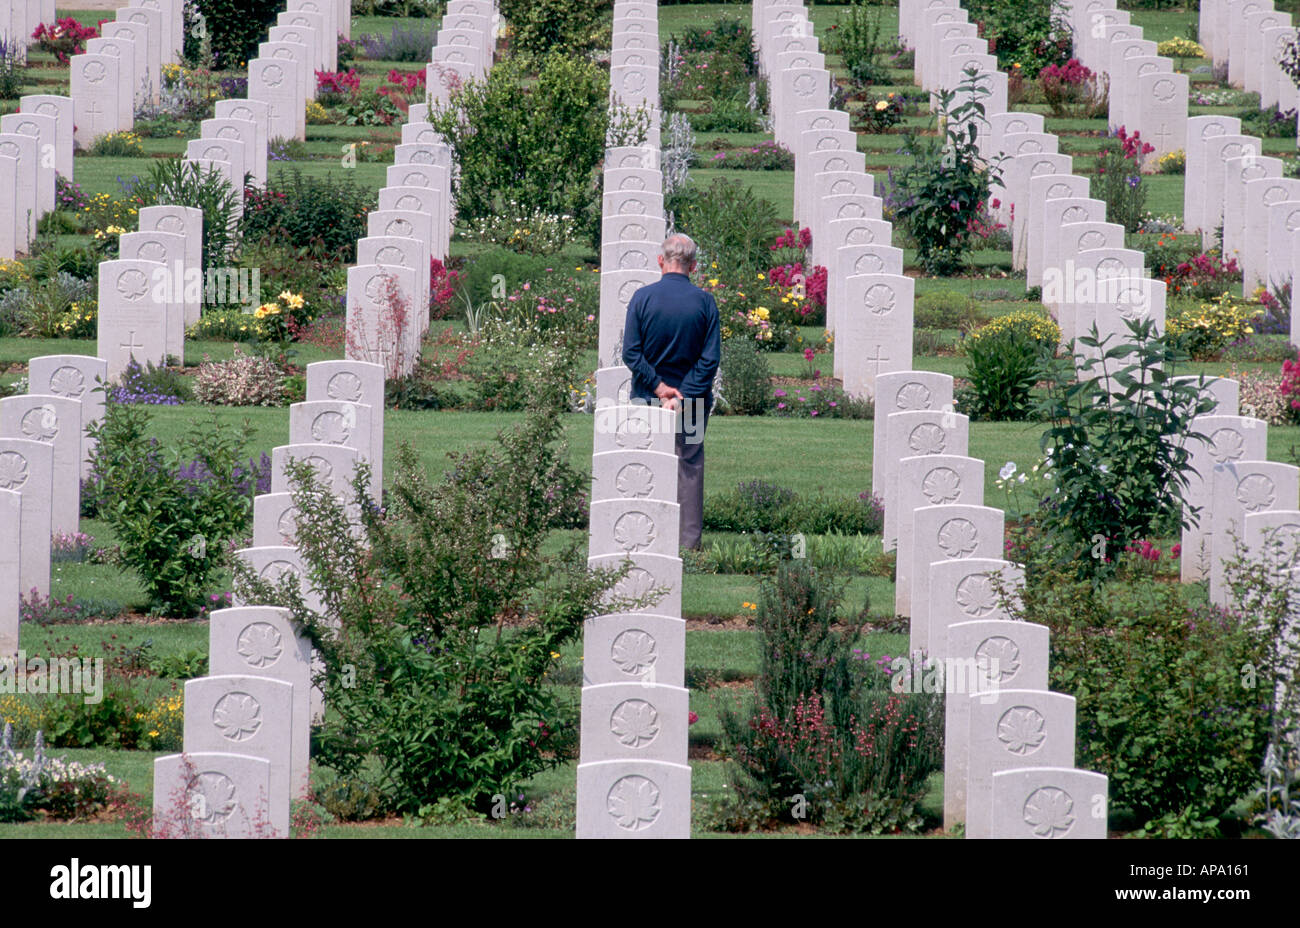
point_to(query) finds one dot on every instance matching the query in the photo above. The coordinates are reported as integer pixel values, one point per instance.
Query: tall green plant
(731, 224)
(443, 619)
(172, 509)
(183, 183)
(1120, 424)
(523, 149)
(545, 26)
(825, 740)
(941, 193)
(857, 38)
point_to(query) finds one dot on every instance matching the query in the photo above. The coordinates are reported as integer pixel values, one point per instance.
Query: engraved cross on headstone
(878, 358)
(95, 110)
(130, 345)
(1162, 136)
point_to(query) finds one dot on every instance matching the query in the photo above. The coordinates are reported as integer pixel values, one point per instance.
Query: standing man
(672, 342)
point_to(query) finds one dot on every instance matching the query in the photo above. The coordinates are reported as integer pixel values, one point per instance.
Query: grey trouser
(690, 478)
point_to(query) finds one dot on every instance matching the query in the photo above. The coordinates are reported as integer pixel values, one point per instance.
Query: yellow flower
(882, 105)
(555, 655)
(713, 281)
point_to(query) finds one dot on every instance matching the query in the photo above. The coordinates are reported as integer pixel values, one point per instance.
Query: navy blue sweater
(672, 334)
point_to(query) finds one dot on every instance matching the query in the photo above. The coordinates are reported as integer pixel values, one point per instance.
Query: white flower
(1103, 468)
(1008, 469)
(1021, 479)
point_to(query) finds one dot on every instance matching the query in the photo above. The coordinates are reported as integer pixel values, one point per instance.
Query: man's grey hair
(679, 250)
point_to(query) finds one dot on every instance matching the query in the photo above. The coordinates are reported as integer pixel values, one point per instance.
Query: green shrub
(759, 506)
(1161, 708)
(856, 37)
(1003, 360)
(183, 183)
(232, 30)
(1118, 445)
(174, 509)
(731, 224)
(1029, 33)
(545, 26)
(745, 379)
(824, 740)
(325, 215)
(495, 272)
(431, 701)
(528, 149)
(942, 172)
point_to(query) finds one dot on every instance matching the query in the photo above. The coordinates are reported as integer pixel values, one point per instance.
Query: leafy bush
(478, 282)
(242, 381)
(118, 145)
(1126, 651)
(325, 215)
(1205, 330)
(233, 28)
(1002, 364)
(856, 37)
(759, 506)
(417, 612)
(824, 739)
(172, 529)
(533, 146)
(545, 26)
(1026, 34)
(1118, 444)
(730, 224)
(939, 197)
(745, 380)
(729, 114)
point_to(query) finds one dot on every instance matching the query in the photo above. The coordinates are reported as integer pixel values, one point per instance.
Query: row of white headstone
(1250, 36)
(1009, 741)
(122, 69)
(1242, 502)
(247, 728)
(388, 288)
(869, 301)
(20, 18)
(35, 145)
(634, 780)
(464, 48)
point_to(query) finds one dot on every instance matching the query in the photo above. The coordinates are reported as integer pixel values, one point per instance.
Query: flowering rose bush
(336, 87)
(884, 113)
(65, 38)
(1290, 387)
(1072, 89)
